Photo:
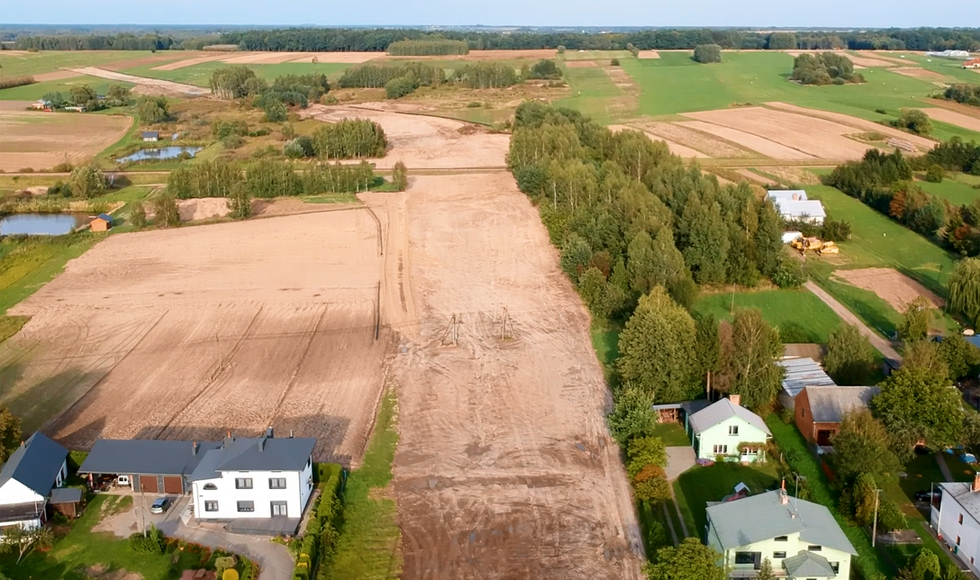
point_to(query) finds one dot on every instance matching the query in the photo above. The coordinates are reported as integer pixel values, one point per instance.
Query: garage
(153, 467)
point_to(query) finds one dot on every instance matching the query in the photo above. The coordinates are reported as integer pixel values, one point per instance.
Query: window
(781, 539)
(971, 559)
(835, 566)
(957, 540)
(210, 506)
(277, 483)
(960, 519)
(745, 557)
(778, 555)
(721, 449)
(246, 506)
(814, 548)
(243, 483)
(210, 486)
(802, 412)
(279, 508)
(733, 429)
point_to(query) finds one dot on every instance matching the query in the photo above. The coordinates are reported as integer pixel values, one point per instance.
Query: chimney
(976, 483)
(290, 433)
(783, 498)
(735, 399)
(269, 433)
(194, 448)
(262, 444)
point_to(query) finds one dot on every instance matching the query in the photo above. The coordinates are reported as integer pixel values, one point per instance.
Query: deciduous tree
(960, 355)
(87, 181)
(10, 434)
(964, 289)
(153, 109)
(166, 211)
(691, 560)
(240, 202)
(915, 404)
(633, 415)
(915, 320)
(863, 445)
(137, 215)
(399, 176)
(749, 351)
(850, 358)
(925, 355)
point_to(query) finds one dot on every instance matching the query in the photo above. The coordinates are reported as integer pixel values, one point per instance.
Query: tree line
(428, 47)
(379, 40)
(883, 181)
(239, 82)
(963, 93)
(824, 68)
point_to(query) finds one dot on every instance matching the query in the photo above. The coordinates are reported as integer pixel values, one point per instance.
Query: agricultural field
(200, 74)
(956, 188)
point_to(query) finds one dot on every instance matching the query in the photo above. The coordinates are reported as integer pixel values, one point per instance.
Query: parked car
(924, 495)
(160, 505)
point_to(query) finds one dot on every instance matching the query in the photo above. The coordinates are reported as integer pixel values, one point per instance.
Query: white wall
(792, 546)
(14, 492)
(718, 435)
(296, 494)
(968, 532)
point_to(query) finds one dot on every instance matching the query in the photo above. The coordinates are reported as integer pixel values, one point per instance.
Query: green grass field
(37, 90)
(945, 66)
(32, 63)
(676, 84)
(799, 315)
(592, 88)
(699, 485)
(956, 188)
(200, 75)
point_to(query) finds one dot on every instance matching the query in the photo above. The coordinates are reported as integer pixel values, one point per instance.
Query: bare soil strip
(754, 177)
(648, 54)
(58, 75)
(893, 287)
(675, 148)
(955, 118)
(921, 73)
(748, 140)
(922, 143)
(263, 57)
(190, 62)
(708, 144)
(505, 468)
(38, 140)
(581, 64)
(339, 57)
(144, 85)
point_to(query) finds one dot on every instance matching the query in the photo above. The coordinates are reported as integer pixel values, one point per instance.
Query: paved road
(884, 347)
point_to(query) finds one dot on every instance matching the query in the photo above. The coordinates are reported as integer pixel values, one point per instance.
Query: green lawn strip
(700, 485)
(957, 188)
(33, 63)
(200, 74)
(331, 198)
(672, 434)
(798, 456)
(82, 548)
(799, 315)
(686, 513)
(34, 263)
(37, 90)
(369, 536)
(11, 325)
(591, 88)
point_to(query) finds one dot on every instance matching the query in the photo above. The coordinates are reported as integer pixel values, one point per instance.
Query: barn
(151, 466)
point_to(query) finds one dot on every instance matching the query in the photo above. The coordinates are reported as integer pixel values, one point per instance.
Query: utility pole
(874, 525)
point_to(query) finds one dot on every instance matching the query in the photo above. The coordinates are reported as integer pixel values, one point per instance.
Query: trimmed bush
(153, 542)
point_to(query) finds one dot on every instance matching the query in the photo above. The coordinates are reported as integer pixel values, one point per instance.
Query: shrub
(153, 542)
(835, 230)
(790, 274)
(222, 129)
(299, 147)
(545, 69)
(63, 168)
(705, 53)
(399, 87)
(614, 62)
(232, 142)
(275, 111)
(914, 121)
(881, 111)
(935, 173)
(890, 517)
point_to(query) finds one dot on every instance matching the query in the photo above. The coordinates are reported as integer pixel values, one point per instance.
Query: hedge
(320, 536)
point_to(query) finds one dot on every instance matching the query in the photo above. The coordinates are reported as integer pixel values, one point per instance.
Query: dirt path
(144, 85)
(505, 468)
(883, 346)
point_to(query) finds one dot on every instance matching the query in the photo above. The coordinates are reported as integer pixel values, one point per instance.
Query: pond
(159, 154)
(42, 224)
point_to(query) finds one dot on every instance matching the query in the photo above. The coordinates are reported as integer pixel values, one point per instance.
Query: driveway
(883, 346)
(679, 460)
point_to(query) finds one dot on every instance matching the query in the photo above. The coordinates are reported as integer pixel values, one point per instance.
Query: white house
(26, 480)
(726, 428)
(957, 521)
(793, 205)
(254, 477)
(801, 539)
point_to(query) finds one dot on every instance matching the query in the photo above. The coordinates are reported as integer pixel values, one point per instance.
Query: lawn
(200, 74)
(956, 188)
(369, 537)
(676, 84)
(699, 485)
(591, 90)
(672, 434)
(799, 315)
(944, 66)
(82, 548)
(27, 265)
(32, 63)
(37, 90)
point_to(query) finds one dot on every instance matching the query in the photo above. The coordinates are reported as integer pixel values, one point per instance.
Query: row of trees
(373, 76)
(884, 182)
(349, 139)
(963, 93)
(431, 46)
(85, 96)
(824, 68)
(403, 79)
(267, 178)
(239, 82)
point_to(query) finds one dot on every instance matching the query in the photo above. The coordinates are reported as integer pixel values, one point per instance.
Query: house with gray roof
(956, 520)
(27, 479)
(255, 478)
(799, 373)
(727, 429)
(149, 465)
(819, 410)
(800, 538)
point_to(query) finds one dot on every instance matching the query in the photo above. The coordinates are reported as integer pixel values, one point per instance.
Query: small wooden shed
(66, 500)
(101, 223)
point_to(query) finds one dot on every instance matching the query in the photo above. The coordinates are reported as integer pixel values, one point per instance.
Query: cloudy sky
(760, 13)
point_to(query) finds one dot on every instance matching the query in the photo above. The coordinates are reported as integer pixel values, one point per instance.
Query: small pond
(159, 154)
(41, 224)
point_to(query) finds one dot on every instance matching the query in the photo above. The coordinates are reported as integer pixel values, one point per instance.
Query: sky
(666, 13)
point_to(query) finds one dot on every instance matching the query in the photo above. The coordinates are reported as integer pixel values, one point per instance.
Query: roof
(690, 407)
(104, 217)
(964, 495)
(809, 208)
(144, 457)
(35, 464)
(777, 195)
(830, 404)
(807, 564)
(974, 340)
(65, 495)
(724, 409)
(763, 517)
(151, 133)
(810, 350)
(803, 372)
(255, 454)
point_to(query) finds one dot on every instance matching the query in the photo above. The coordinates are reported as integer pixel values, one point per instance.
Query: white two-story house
(956, 519)
(254, 477)
(727, 429)
(801, 539)
(27, 479)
